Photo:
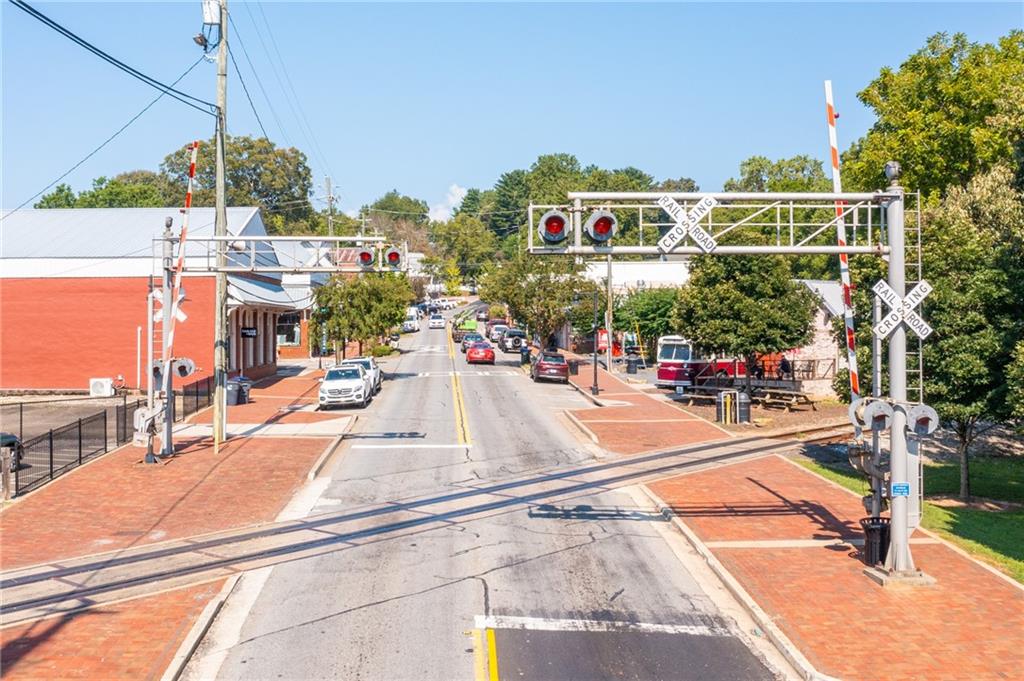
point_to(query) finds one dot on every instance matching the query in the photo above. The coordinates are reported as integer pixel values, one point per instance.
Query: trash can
(876, 539)
(244, 387)
(574, 367)
(233, 389)
(742, 408)
(632, 364)
(524, 355)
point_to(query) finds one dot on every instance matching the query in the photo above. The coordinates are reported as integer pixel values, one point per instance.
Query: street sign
(686, 224)
(901, 489)
(248, 332)
(902, 309)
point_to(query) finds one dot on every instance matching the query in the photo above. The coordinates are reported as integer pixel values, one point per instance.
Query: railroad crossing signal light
(393, 258)
(183, 367)
(365, 258)
(554, 227)
(601, 226)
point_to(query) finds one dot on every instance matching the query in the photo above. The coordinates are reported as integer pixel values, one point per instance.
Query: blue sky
(421, 97)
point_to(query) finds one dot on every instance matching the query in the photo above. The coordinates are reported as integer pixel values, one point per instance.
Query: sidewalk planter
(876, 540)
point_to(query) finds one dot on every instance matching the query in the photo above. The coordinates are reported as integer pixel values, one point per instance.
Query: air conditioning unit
(101, 387)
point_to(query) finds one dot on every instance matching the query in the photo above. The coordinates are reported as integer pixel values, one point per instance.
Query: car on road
(411, 324)
(480, 353)
(371, 367)
(496, 331)
(17, 451)
(482, 315)
(471, 338)
(550, 366)
(343, 385)
(436, 321)
(512, 340)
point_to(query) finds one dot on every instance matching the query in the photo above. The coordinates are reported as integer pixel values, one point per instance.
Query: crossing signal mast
(735, 223)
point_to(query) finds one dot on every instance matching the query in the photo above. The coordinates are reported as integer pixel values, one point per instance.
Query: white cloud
(352, 213)
(443, 211)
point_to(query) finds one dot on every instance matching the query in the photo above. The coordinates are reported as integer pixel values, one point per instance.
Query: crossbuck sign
(902, 309)
(686, 224)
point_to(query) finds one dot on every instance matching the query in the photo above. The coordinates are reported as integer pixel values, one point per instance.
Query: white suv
(370, 366)
(345, 385)
(436, 321)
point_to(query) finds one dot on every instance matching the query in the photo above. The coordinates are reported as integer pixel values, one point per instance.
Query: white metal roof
(829, 292)
(107, 232)
(254, 292)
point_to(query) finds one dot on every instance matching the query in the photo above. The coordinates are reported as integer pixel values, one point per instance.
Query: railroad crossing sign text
(902, 309)
(686, 224)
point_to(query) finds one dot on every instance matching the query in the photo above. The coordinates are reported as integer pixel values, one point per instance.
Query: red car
(480, 353)
(550, 366)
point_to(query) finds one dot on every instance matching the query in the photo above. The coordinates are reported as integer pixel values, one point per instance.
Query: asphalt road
(577, 589)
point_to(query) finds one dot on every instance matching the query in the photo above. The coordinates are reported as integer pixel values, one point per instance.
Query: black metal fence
(193, 397)
(57, 451)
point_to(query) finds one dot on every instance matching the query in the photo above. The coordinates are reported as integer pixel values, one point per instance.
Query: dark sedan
(471, 338)
(550, 366)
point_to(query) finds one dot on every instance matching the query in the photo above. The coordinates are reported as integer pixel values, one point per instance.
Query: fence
(193, 397)
(57, 451)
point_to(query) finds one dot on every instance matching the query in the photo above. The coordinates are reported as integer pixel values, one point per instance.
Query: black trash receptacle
(876, 539)
(743, 408)
(574, 368)
(524, 354)
(632, 363)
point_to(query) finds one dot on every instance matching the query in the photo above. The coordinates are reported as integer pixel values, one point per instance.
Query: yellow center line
(459, 404)
(492, 656)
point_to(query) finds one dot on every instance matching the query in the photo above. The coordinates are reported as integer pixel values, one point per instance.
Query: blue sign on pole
(901, 489)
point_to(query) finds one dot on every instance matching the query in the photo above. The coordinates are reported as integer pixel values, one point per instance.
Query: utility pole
(608, 317)
(330, 208)
(220, 354)
(167, 446)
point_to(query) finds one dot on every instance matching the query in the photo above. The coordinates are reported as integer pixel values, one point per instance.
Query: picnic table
(781, 397)
(703, 392)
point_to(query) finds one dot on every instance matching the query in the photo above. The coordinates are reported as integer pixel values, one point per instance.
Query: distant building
(73, 287)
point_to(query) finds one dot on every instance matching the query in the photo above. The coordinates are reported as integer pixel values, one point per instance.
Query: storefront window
(289, 330)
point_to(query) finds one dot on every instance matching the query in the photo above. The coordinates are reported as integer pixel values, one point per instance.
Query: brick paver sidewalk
(759, 518)
(118, 502)
(640, 423)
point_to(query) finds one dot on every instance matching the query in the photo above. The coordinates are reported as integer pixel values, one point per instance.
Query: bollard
(6, 464)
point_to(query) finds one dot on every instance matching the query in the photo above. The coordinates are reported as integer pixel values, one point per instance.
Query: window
(674, 352)
(342, 374)
(289, 329)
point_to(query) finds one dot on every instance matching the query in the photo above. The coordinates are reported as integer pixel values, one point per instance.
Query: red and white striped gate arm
(186, 212)
(844, 262)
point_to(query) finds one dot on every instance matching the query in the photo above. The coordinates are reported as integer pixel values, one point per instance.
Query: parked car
(371, 367)
(436, 321)
(480, 353)
(11, 440)
(512, 340)
(470, 338)
(411, 324)
(496, 331)
(345, 385)
(482, 316)
(550, 366)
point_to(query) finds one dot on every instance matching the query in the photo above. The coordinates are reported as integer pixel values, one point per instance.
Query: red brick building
(73, 289)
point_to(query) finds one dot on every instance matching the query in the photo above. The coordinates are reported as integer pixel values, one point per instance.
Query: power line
(106, 141)
(182, 97)
(259, 81)
(252, 106)
(300, 116)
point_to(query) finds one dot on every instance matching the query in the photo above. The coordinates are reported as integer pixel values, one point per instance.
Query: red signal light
(552, 228)
(393, 257)
(365, 257)
(601, 226)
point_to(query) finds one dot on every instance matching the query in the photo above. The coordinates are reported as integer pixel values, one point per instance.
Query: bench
(779, 397)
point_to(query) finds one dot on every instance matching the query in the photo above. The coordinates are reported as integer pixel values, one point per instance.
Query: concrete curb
(771, 631)
(321, 461)
(596, 402)
(579, 424)
(198, 631)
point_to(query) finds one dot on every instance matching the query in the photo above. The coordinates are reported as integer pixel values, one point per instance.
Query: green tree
(650, 311)
(62, 196)
(363, 308)
(396, 206)
(472, 203)
(974, 259)
(553, 176)
(744, 306)
(795, 174)
(682, 184)
(467, 242)
(511, 198)
(1015, 382)
(114, 194)
(952, 110)
(257, 173)
(538, 292)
